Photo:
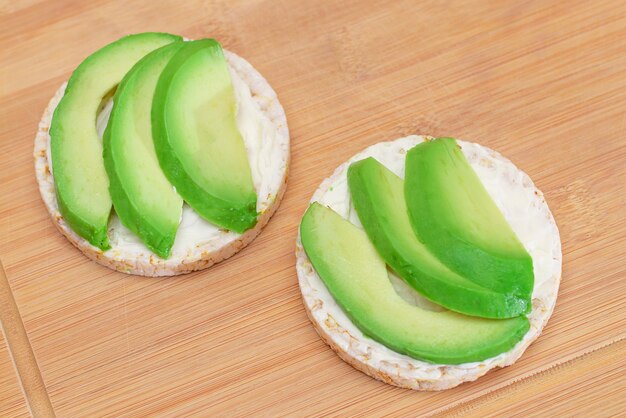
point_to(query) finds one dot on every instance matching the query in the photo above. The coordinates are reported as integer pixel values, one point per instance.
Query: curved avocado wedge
(356, 276)
(143, 198)
(79, 175)
(453, 215)
(378, 196)
(197, 140)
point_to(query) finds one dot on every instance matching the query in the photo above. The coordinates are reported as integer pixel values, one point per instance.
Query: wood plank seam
(21, 353)
(467, 406)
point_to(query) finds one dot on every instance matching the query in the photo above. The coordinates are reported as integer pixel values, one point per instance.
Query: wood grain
(12, 403)
(579, 387)
(21, 353)
(544, 83)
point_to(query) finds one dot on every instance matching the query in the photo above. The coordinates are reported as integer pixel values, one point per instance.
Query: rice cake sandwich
(427, 262)
(162, 156)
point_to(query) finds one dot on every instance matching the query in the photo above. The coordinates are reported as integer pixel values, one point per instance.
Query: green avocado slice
(453, 215)
(197, 140)
(378, 197)
(357, 278)
(143, 198)
(79, 175)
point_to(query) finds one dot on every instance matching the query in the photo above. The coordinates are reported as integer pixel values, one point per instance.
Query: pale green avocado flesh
(197, 140)
(378, 197)
(143, 198)
(453, 215)
(80, 178)
(357, 278)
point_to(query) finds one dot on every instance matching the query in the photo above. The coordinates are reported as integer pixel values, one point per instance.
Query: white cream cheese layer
(264, 150)
(523, 207)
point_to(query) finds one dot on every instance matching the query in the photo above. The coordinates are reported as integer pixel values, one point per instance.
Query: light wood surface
(542, 82)
(12, 403)
(20, 351)
(588, 386)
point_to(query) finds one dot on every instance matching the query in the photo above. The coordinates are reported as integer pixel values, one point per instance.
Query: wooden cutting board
(542, 82)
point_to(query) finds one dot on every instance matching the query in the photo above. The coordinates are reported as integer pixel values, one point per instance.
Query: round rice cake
(525, 209)
(199, 244)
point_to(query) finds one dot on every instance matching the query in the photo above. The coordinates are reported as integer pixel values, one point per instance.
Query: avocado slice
(143, 198)
(378, 197)
(453, 215)
(197, 140)
(79, 175)
(357, 278)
